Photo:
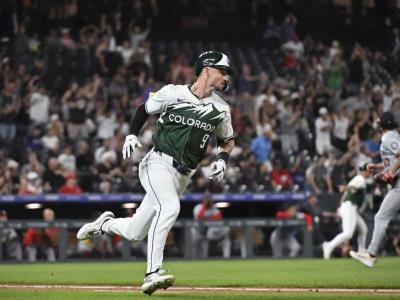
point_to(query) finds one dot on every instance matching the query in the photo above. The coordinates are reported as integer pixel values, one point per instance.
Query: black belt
(176, 164)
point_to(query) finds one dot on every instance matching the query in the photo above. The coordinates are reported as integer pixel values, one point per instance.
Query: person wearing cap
(189, 116)
(352, 199)
(389, 170)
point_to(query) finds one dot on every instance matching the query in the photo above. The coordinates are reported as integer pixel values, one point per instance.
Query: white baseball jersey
(186, 122)
(356, 192)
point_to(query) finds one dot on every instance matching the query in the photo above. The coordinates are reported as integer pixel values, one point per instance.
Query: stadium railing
(246, 224)
(196, 197)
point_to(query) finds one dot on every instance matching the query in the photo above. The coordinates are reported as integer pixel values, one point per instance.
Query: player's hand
(371, 167)
(131, 143)
(217, 170)
(388, 176)
(384, 178)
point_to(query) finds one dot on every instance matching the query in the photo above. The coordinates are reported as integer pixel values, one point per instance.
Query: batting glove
(217, 170)
(131, 143)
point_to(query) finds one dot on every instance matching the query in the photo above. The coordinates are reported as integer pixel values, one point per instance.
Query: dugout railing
(247, 225)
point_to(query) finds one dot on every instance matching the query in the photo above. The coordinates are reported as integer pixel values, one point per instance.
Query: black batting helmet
(386, 121)
(213, 59)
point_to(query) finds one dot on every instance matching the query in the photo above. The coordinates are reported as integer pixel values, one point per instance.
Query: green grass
(302, 273)
(89, 295)
(340, 273)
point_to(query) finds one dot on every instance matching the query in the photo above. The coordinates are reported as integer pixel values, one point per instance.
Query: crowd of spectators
(67, 97)
(304, 111)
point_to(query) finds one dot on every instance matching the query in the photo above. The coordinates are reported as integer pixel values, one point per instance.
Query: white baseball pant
(159, 209)
(350, 221)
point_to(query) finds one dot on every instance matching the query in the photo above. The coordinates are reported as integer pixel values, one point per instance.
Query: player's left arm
(226, 146)
(225, 143)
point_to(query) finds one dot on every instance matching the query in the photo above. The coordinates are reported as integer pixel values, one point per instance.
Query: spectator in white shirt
(323, 126)
(51, 141)
(126, 50)
(106, 123)
(39, 105)
(105, 147)
(67, 159)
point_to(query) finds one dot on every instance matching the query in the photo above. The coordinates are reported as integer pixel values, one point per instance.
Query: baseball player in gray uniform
(189, 115)
(390, 151)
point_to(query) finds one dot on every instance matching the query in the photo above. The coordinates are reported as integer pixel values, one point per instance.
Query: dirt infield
(104, 288)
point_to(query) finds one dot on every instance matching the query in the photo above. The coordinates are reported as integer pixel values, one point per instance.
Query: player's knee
(133, 236)
(172, 211)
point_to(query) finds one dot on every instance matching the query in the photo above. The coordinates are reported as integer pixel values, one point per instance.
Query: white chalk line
(107, 288)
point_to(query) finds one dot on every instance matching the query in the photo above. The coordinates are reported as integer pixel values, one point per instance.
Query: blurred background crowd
(304, 110)
(304, 104)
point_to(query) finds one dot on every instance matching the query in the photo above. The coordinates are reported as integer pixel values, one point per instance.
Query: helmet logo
(208, 62)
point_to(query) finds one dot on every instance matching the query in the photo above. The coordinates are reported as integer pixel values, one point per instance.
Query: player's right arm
(394, 165)
(131, 140)
(154, 105)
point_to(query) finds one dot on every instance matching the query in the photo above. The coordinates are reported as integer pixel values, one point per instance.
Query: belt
(176, 164)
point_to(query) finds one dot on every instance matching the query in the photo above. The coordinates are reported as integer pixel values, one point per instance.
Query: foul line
(106, 288)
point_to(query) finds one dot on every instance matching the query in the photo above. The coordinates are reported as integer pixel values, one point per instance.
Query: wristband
(224, 156)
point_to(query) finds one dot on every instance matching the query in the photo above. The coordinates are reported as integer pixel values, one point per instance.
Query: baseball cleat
(363, 258)
(94, 228)
(157, 281)
(326, 250)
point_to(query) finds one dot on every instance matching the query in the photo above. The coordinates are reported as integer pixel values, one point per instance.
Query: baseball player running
(390, 150)
(189, 115)
(354, 194)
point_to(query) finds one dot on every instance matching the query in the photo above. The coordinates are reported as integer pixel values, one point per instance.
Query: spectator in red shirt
(71, 185)
(207, 211)
(281, 179)
(42, 241)
(283, 238)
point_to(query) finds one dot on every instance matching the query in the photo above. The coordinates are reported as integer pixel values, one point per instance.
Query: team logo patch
(394, 145)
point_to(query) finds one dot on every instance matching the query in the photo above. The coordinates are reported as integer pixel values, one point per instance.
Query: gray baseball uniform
(390, 150)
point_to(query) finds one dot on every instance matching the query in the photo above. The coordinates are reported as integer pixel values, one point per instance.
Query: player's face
(218, 78)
